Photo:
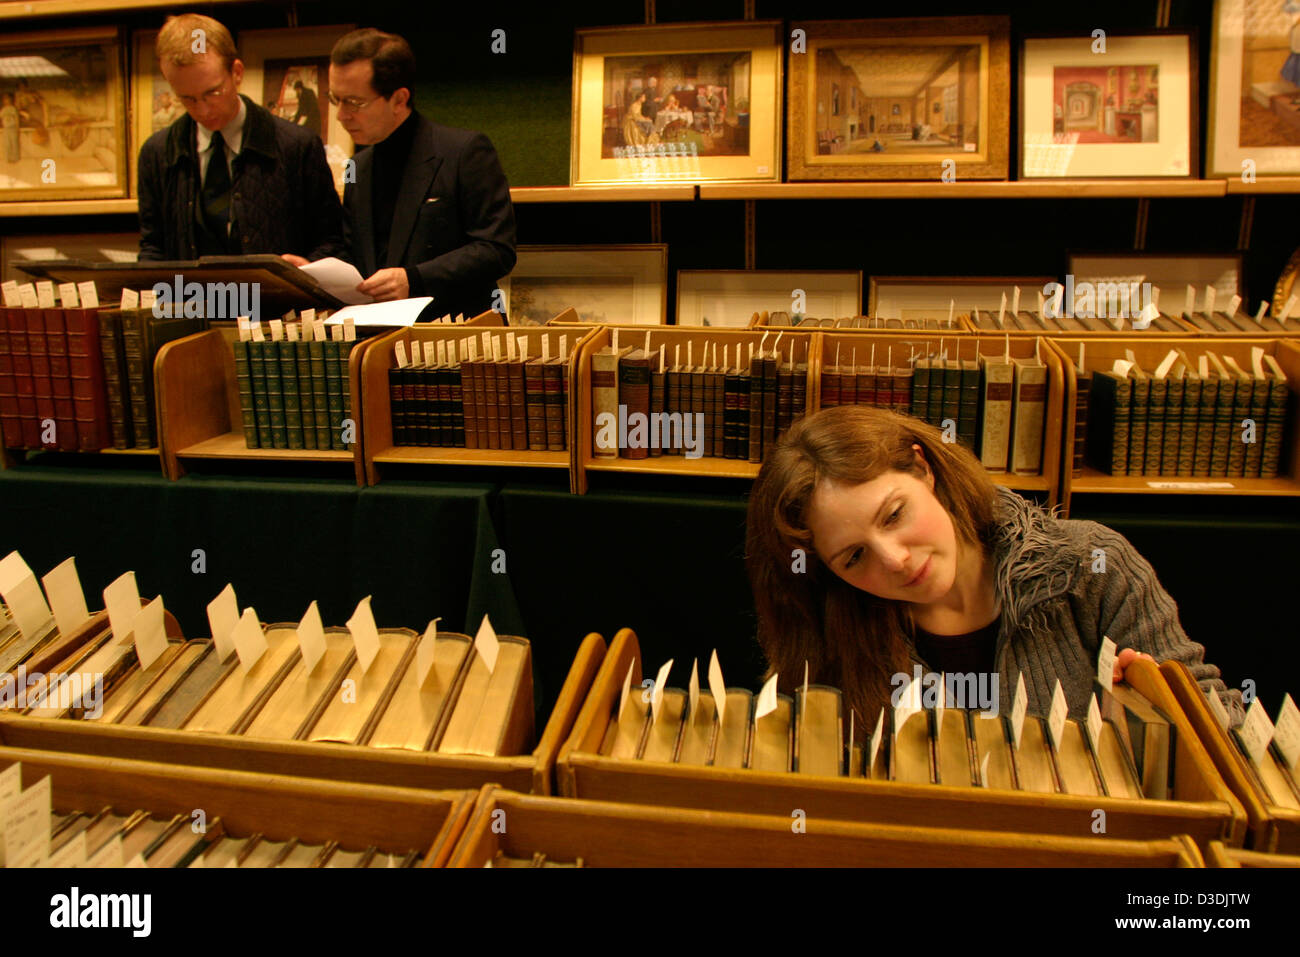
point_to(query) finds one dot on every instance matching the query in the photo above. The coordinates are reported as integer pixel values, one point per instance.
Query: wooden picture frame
(83, 247)
(153, 105)
(1170, 272)
(908, 298)
(730, 297)
(273, 59)
(63, 124)
(1125, 109)
(908, 111)
(1286, 284)
(605, 284)
(715, 118)
(1254, 96)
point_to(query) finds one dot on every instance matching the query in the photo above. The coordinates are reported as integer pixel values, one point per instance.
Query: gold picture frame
(63, 116)
(900, 99)
(715, 118)
(274, 59)
(1254, 90)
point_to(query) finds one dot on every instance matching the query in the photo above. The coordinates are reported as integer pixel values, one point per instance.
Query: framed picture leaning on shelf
(1112, 106)
(287, 71)
(730, 297)
(688, 102)
(62, 115)
(605, 284)
(1254, 89)
(900, 99)
(85, 247)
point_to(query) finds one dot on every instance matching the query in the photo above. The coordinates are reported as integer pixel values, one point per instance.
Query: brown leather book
(492, 370)
(235, 700)
(415, 711)
(664, 736)
(39, 350)
(86, 370)
(28, 434)
(634, 397)
(301, 697)
(1033, 760)
(535, 404)
(469, 402)
(360, 698)
(555, 383)
(772, 738)
(65, 410)
(151, 697)
(490, 708)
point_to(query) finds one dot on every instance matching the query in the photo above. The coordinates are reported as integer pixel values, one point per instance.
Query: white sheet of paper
(1286, 733)
(150, 633)
(1015, 300)
(71, 854)
(365, 636)
(223, 617)
(1106, 663)
(424, 653)
(875, 742)
(766, 698)
(68, 297)
(1018, 708)
(627, 686)
(485, 641)
(1094, 723)
(22, 593)
(89, 294)
(984, 770)
(249, 639)
(45, 294)
(1218, 710)
(717, 687)
(122, 599)
(657, 693)
(67, 600)
(398, 312)
(27, 820)
(12, 298)
(1256, 731)
(693, 688)
(311, 638)
(339, 279)
(11, 782)
(1210, 295)
(1057, 715)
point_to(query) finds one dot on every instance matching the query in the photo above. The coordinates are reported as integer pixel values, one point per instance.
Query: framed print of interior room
(699, 103)
(895, 99)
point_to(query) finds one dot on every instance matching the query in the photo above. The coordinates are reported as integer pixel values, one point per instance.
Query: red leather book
(10, 417)
(491, 393)
(535, 404)
(39, 350)
(555, 379)
(28, 435)
(516, 394)
(86, 371)
(65, 411)
(634, 396)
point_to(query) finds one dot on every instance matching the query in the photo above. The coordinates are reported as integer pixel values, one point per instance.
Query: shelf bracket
(1247, 223)
(1140, 230)
(751, 233)
(656, 222)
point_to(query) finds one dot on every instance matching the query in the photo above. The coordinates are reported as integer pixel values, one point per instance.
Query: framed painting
(1254, 89)
(1113, 106)
(900, 99)
(679, 103)
(730, 297)
(604, 284)
(287, 71)
(84, 247)
(1171, 273)
(62, 115)
(921, 299)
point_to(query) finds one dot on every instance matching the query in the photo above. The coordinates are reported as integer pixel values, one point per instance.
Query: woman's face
(890, 536)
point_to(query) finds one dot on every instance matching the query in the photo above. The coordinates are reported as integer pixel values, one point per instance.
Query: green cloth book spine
(1137, 430)
(1274, 428)
(1188, 430)
(1224, 432)
(261, 393)
(921, 389)
(275, 394)
(1177, 389)
(1157, 407)
(1206, 426)
(244, 381)
(968, 404)
(334, 391)
(306, 398)
(289, 389)
(319, 397)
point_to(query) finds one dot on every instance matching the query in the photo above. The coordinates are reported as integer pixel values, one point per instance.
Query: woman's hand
(1124, 659)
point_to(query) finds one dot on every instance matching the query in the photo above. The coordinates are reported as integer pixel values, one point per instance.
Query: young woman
(872, 545)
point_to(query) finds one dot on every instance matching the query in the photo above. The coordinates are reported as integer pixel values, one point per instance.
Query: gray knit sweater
(1056, 609)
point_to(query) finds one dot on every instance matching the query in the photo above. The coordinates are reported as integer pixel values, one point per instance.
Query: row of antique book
(141, 839)
(381, 688)
(294, 389)
(77, 377)
(1125, 749)
(741, 407)
(484, 393)
(1210, 417)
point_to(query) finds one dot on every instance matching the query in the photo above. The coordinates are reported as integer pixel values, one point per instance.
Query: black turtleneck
(391, 155)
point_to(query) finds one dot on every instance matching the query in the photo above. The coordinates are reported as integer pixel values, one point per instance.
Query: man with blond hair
(228, 177)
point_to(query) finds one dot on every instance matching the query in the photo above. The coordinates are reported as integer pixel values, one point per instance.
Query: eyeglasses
(210, 97)
(353, 104)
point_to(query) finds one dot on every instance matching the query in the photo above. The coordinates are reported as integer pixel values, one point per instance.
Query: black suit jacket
(282, 197)
(453, 224)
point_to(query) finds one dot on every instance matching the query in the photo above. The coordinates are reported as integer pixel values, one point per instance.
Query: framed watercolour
(1255, 89)
(730, 297)
(1170, 273)
(895, 99)
(921, 298)
(678, 103)
(1127, 109)
(62, 115)
(609, 284)
(287, 71)
(84, 247)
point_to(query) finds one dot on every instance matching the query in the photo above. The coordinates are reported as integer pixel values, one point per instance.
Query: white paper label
(89, 294)
(1056, 717)
(223, 617)
(487, 644)
(717, 687)
(27, 821)
(249, 639)
(766, 698)
(657, 693)
(122, 599)
(68, 298)
(1256, 732)
(1106, 663)
(1286, 733)
(150, 633)
(693, 689)
(365, 636)
(67, 600)
(311, 639)
(1018, 708)
(627, 686)
(424, 653)
(1218, 710)
(1094, 723)
(22, 593)
(909, 702)
(875, 742)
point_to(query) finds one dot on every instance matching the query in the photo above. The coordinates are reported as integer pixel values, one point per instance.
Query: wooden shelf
(602, 194)
(66, 207)
(151, 452)
(678, 465)
(972, 189)
(1093, 480)
(1021, 483)
(454, 456)
(1266, 184)
(24, 9)
(232, 446)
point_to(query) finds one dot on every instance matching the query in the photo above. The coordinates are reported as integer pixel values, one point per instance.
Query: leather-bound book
(952, 748)
(1027, 415)
(1074, 758)
(38, 348)
(951, 405)
(413, 405)
(469, 397)
(455, 398)
(65, 410)
(1109, 406)
(968, 408)
(604, 393)
(769, 364)
(555, 383)
(664, 736)
(830, 386)
(269, 352)
(481, 401)
(86, 371)
(493, 380)
(849, 383)
(1148, 735)
(921, 389)
(744, 394)
(784, 396)
(133, 684)
(1259, 414)
(901, 381)
(700, 397)
(673, 400)
(236, 698)
(493, 712)
(1083, 384)
(1206, 417)
(345, 721)
(754, 435)
(715, 390)
(819, 731)
(1157, 408)
(24, 383)
(535, 404)
(301, 697)
(288, 355)
(134, 710)
(335, 380)
(306, 397)
(1176, 389)
(1244, 407)
(1118, 776)
(397, 404)
(244, 383)
(730, 409)
(874, 386)
(772, 737)
(1278, 392)
(518, 403)
(634, 396)
(1189, 427)
(1035, 770)
(992, 745)
(415, 710)
(657, 399)
(800, 406)
(320, 401)
(911, 752)
(1226, 421)
(261, 392)
(995, 412)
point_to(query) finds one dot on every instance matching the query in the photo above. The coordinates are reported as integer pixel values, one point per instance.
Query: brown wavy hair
(850, 638)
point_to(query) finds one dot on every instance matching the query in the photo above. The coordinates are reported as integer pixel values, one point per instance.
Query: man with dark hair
(430, 212)
(308, 114)
(228, 177)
